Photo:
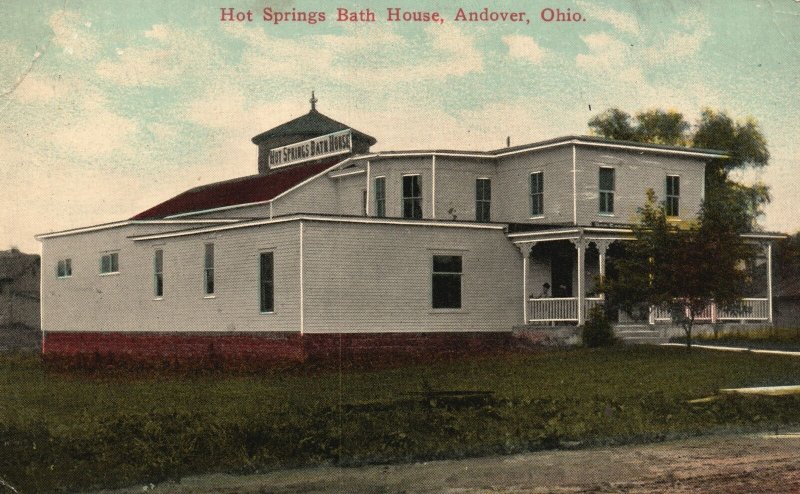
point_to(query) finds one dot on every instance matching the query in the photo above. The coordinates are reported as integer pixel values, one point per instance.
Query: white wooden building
(329, 237)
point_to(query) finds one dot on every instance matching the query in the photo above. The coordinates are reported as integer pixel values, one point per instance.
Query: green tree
(742, 141)
(687, 269)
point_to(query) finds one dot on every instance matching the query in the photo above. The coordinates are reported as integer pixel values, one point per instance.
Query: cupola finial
(313, 101)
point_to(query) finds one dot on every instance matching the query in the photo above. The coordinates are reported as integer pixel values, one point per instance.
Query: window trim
(432, 273)
(667, 196)
(206, 269)
(261, 281)
(109, 254)
(67, 268)
(613, 191)
(531, 214)
(380, 199)
(403, 197)
(488, 202)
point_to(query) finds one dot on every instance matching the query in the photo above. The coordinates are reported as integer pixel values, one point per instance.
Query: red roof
(244, 190)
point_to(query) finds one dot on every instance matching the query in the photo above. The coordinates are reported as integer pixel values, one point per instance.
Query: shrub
(597, 331)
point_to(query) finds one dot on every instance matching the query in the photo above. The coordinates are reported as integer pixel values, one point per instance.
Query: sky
(108, 108)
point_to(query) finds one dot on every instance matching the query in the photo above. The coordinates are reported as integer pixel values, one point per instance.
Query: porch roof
(522, 233)
(532, 232)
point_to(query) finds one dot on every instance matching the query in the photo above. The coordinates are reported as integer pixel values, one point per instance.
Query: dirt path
(729, 464)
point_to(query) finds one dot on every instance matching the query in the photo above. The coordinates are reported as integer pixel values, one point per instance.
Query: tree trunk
(687, 328)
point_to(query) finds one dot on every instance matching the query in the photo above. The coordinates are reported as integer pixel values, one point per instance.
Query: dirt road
(729, 464)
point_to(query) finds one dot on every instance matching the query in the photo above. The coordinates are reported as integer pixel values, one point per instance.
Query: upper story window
(412, 197)
(380, 197)
(446, 282)
(605, 182)
(64, 268)
(537, 193)
(109, 263)
(267, 282)
(483, 199)
(672, 204)
(158, 273)
(208, 272)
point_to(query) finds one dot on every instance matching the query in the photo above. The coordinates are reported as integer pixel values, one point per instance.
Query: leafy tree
(614, 124)
(684, 269)
(742, 141)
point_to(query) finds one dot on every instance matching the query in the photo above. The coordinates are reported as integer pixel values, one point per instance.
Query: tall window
(64, 268)
(412, 197)
(606, 188)
(446, 282)
(537, 193)
(483, 199)
(267, 281)
(673, 195)
(109, 263)
(380, 197)
(158, 273)
(208, 276)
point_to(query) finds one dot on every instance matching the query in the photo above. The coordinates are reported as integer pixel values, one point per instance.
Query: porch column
(769, 280)
(580, 246)
(602, 247)
(526, 254)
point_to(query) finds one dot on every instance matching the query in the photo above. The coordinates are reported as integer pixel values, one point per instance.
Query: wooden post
(580, 246)
(526, 254)
(769, 280)
(602, 248)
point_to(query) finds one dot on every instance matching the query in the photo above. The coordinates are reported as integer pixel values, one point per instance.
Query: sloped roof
(244, 190)
(312, 124)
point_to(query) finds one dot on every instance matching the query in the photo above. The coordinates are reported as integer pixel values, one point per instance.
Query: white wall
(366, 278)
(126, 302)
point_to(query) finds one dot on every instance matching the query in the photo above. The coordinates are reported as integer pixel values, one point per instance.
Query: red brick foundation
(267, 348)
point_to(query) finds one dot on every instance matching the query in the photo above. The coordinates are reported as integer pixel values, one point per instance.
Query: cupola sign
(312, 149)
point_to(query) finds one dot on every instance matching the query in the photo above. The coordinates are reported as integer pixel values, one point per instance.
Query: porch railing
(750, 309)
(558, 309)
(565, 309)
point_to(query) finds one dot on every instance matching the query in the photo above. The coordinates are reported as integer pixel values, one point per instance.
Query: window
(412, 197)
(267, 280)
(109, 263)
(606, 188)
(380, 197)
(537, 193)
(483, 199)
(446, 282)
(64, 268)
(158, 273)
(672, 205)
(208, 277)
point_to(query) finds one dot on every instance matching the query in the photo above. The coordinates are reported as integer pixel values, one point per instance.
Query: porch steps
(640, 335)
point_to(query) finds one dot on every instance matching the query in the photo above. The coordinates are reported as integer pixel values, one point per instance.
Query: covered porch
(562, 266)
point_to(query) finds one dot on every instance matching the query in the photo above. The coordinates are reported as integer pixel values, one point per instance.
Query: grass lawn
(76, 432)
(768, 338)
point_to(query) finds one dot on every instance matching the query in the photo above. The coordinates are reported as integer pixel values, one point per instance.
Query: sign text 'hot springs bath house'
(431, 248)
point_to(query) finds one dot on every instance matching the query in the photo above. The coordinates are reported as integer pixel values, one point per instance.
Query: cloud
(69, 117)
(97, 133)
(73, 34)
(609, 58)
(622, 21)
(524, 48)
(36, 88)
(377, 57)
(679, 45)
(167, 59)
